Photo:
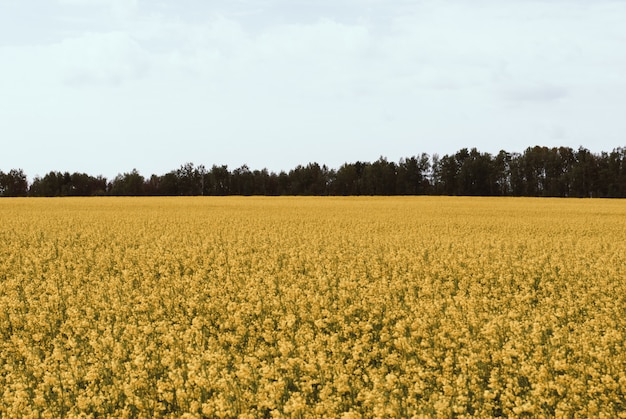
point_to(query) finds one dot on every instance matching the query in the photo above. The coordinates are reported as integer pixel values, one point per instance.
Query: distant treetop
(538, 171)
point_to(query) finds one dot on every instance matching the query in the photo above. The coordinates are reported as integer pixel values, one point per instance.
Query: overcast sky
(105, 86)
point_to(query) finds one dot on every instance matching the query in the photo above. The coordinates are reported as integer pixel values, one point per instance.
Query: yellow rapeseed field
(312, 307)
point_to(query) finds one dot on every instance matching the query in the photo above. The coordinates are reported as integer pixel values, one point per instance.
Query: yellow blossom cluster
(312, 307)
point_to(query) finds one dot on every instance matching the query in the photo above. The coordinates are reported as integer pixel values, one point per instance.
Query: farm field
(312, 307)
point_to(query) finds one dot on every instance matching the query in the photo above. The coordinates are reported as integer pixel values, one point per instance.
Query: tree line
(538, 171)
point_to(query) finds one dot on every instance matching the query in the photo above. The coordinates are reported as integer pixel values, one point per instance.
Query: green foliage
(538, 171)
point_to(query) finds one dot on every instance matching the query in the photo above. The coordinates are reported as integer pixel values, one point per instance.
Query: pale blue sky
(104, 86)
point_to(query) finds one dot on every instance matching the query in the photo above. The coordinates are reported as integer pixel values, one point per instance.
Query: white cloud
(109, 58)
(276, 83)
(122, 9)
(534, 93)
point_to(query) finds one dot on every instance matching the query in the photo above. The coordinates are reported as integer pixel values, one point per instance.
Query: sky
(107, 86)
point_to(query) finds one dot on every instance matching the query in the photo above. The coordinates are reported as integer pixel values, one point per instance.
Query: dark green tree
(412, 175)
(220, 180)
(128, 184)
(14, 183)
(612, 173)
(502, 173)
(242, 181)
(348, 179)
(380, 177)
(476, 174)
(447, 175)
(584, 174)
(190, 179)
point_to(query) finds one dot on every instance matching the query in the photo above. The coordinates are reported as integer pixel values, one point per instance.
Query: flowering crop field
(312, 307)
